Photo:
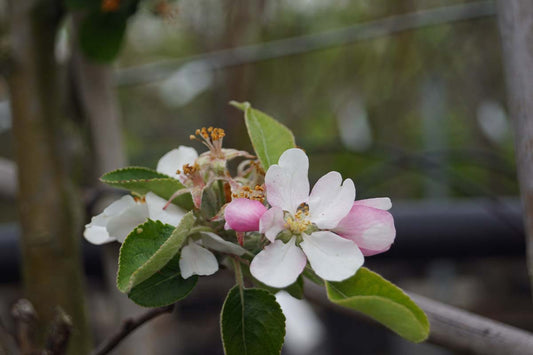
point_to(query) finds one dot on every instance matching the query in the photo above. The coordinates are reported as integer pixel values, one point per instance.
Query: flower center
(192, 173)
(298, 223)
(139, 199)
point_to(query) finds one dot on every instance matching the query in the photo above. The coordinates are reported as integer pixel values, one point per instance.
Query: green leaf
(252, 323)
(148, 248)
(101, 35)
(269, 137)
(83, 4)
(296, 290)
(371, 294)
(164, 287)
(142, 180)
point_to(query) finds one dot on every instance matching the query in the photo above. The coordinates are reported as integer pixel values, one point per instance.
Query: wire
(147, 73)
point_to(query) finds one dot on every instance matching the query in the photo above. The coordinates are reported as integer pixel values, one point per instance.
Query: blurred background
(405, 97)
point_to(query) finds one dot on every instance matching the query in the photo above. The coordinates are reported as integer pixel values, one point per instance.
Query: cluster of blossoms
(272, 219)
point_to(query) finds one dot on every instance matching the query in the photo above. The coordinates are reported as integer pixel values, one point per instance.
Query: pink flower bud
(243, 215)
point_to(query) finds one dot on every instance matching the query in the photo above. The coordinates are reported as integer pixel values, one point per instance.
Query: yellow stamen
(139, 199)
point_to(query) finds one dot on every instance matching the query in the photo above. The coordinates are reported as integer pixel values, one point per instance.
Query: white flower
(309, 217)
(123, 215)
(173, 161)
(196, 259)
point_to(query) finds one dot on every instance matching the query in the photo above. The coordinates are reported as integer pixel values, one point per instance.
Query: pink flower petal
(367, 252)
(332, 258)
(272, 223)
(370, 228)
(330, 201)
(243, 215)
(279, 264)
(287, 185)
(381, 203)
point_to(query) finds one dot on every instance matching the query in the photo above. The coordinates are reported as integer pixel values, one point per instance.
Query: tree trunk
(515, 18)
(49, 207)
(95, 92)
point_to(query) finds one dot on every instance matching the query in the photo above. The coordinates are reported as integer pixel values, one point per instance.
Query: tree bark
(49, 207)
(515, 19)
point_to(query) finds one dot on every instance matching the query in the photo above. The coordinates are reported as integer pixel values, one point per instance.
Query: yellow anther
(190, 169)
(139, 199)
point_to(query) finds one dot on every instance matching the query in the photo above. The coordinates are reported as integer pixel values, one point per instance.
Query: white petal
(195, 260)
(97, 234)
(330, 201)
(271, 223)
(119, 206)
(333, 258)
(305, 332)
(175, 159)
(171, 215)
(381, 203)
(279, 264)
(215, 242)
(120, 225)
(287, 185)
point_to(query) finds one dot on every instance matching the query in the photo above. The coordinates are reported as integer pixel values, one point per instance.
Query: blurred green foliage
(312, 93)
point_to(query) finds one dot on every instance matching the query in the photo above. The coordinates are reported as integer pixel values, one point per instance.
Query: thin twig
(26, 323)
(59, 335)
(128, 326)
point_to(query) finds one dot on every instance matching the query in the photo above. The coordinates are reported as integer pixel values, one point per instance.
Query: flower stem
(238, 273)
(201, 229)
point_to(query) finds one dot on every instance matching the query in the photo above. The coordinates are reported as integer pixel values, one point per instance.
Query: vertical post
(49, 208)
(433, 110)
(515, 19)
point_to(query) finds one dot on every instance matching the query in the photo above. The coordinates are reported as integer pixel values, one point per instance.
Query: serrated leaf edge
(169, 303)
(121, 249)
(255, 290)
(162, 176)
(154, 255)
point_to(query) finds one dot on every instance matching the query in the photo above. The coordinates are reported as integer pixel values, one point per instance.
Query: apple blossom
(310, 220)
(122, 216)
